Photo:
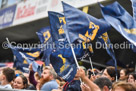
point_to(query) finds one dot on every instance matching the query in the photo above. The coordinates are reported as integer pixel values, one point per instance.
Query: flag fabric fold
(121, 20)
(81, 25)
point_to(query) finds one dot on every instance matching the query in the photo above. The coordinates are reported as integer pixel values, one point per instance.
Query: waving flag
(47, 45)
(64, 67)
(134, 8)
(57, 32)
(56, 23)
(44, 34)
(19, 61)
(121, 20)
(104, 39)
(81, 25)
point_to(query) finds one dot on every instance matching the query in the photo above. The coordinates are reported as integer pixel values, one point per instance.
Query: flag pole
(91, 66)
(8, 41)
(85, 9)
(72, 51)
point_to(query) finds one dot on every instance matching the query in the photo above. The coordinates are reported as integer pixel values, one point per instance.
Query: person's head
(7, 74)
(123, 74)
(131, 77)
(48, 73)
(20, 82)
(123, 86)
(104, 83)
(110, 73)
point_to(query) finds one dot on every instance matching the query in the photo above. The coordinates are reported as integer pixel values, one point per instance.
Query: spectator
(74, 85)
(33, 76)
(104, 83)
(7, 76)
(123, 75)
(20, 82)
(49, 76)
(132, 78)
(84, 87)
(87, 81)
(123, 86)
(110, 73)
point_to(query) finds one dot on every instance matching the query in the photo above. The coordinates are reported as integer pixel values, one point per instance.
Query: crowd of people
(107, 79)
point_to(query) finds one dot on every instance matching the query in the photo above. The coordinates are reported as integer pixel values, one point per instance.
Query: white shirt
(8, 86)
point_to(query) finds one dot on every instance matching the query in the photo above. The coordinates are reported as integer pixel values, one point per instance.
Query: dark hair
(25, 81)
(103, 81)
(9, 73)
(125, 71)
(134, 75)
(111, 71)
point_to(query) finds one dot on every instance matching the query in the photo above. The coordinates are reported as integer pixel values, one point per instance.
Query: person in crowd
(33, 76)
(7, 75)
(48, 76)
(93, 74)
(110, 73)
(30, 86)
(123, 86)
(85, 87)
(123, 75)
(20, 82)
(87, 81)
(104, 83)
(73, 85)
(132, 78)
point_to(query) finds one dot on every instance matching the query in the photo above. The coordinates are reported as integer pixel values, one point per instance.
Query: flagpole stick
(86, 41)
(91, 65)
(73, 53)
(8, 41)
(90, 57)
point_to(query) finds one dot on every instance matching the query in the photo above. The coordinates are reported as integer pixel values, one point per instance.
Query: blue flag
(57, 32)
(65, 68)
(47, 45)
(134, 8)
(56, 23)
(44, 34)
(81, 25)
(30, 53)
(24, 56)
(62, 58)
(121, 20)
(19, 61)
(104, 39)
(59, 37)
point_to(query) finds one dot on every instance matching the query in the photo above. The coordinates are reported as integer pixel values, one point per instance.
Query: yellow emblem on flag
(25, 62)
(88, 37)
(35, 54)
(62, 19)
(64, 61)
(46, 35)
(130, 31)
